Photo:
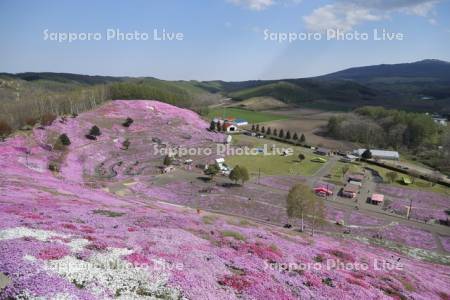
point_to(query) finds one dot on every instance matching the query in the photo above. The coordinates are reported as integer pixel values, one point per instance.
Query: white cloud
(258, 5)
(338, 16)
(345, 14)
(254, 4)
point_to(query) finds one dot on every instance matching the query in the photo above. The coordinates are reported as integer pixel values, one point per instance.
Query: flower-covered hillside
(63, 238)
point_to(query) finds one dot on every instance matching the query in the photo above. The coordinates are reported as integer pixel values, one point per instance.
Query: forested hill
(429, 69)
(422, 86)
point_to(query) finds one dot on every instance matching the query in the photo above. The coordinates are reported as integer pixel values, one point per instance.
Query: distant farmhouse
(379, 154)
(230, 124)
(440, 120)
(323, 151)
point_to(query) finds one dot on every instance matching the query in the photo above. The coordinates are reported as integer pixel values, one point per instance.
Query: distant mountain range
(429, 69)
(422, 86)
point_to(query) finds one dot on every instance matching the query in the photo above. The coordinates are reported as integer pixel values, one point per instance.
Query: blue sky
(223, 39)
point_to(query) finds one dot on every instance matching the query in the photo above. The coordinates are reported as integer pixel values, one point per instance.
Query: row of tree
(281, 134)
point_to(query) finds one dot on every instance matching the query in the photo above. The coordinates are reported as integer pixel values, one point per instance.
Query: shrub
(108, 213)
(91, 137)
(233, 234)
(30, 121)
(54, 166)
(235, 174)
(328, 281)
(167, 160)
(64, 139)
(126, 144)
(302, 138)
(128, 122)
(95, 131)
(47, 119)
(5, 129)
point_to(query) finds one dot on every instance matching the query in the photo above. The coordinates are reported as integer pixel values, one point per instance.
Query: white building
(379, 154)
(440, 121)
(349, 158)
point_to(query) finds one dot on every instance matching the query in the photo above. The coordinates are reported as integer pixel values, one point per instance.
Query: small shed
(323, 151)
(377, 199)
(323, 191)
(350, 190)
(240, 122)
(356, 177)
(349, 158)
(230, 127)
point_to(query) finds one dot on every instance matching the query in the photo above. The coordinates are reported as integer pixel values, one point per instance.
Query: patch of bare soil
(312, 124)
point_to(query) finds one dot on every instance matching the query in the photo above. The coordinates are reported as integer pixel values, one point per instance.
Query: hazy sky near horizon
(222, 39)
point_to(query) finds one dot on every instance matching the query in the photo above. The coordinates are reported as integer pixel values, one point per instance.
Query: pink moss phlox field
(426, 205)
(63, 237)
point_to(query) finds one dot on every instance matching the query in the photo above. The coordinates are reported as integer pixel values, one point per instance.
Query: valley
(109, 200)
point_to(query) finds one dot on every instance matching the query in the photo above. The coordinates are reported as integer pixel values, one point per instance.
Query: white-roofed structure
(379, 154)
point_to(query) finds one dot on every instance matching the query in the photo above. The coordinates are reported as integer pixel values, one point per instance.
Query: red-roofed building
(377, 199)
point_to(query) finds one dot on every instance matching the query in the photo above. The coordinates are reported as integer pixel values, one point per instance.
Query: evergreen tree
(269, 131)
(295, 137)
(275, 132)
(367, 154)
(302, 138)
(257, 128)
(167, 160)
(253, 127)
(64, 139)
(95, 131)
(263, 129)
(281, 134)
(128, 122)
(288, 135)
(212, 126)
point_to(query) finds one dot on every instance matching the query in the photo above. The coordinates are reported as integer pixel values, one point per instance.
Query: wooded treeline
(414, 133)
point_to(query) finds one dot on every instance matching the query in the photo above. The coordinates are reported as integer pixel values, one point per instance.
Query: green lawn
(250, 116)
(336, 171)
(273, 164)
(419, 184)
